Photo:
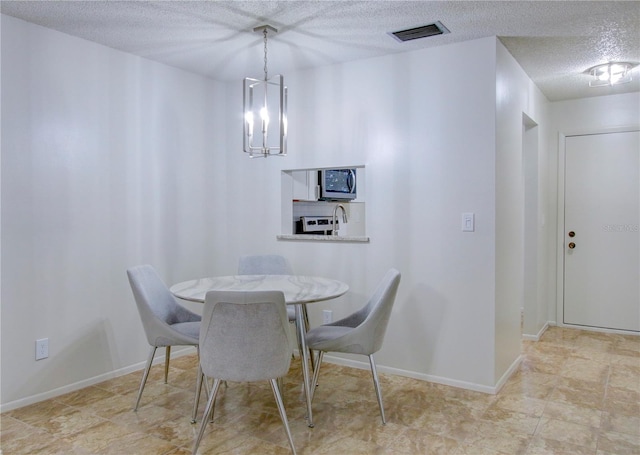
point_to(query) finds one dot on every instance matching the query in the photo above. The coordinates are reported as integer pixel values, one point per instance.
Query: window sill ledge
(323, 238)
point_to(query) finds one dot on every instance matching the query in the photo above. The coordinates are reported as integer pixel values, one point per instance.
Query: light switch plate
(468, 222)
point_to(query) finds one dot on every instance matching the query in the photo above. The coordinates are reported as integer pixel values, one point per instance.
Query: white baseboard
(327, 358)
(537, 336)
(507, 374)
(599, 329)
(426, 377)
(89, 382)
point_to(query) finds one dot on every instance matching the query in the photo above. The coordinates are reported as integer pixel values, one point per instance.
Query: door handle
(572, 245)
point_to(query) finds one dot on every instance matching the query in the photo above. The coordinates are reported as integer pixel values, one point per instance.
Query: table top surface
(297, 289)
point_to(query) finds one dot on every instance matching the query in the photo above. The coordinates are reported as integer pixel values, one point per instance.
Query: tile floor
(576, 392)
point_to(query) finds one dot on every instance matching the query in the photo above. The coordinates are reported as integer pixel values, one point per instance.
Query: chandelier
(265, 111)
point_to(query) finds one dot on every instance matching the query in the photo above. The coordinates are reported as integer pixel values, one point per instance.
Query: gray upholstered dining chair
(268, 264)
(264, 264)
(271, 264)
(359, 333)
(165, 322)
(244, 338)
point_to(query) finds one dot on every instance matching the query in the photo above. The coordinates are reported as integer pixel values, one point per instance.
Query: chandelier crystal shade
(265, 111)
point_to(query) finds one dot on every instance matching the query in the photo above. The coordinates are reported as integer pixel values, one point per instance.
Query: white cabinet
(305, 185)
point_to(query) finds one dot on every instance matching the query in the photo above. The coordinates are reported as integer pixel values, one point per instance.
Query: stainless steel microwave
(337, 184)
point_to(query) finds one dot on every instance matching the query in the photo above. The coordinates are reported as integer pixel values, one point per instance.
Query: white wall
(109, 160)
(594, 114)
(104, 159)
(426, 132)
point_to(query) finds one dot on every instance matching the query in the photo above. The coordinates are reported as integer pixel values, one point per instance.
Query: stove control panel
(316, 224)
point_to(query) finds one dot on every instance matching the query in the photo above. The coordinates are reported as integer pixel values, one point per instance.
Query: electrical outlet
(42, 348)
(327, 316)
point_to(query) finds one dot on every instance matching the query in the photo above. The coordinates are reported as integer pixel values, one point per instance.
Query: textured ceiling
(554, 41)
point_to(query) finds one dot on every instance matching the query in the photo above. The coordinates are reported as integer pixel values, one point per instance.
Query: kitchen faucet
(335, 216)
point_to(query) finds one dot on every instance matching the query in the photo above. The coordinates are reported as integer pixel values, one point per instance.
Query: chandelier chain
(265, 54)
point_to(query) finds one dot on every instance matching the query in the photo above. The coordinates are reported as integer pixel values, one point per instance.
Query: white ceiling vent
(420, 32)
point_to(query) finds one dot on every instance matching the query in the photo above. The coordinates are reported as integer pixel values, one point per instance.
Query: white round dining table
(298, 290)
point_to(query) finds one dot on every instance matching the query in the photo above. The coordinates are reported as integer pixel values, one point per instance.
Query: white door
(602, 238)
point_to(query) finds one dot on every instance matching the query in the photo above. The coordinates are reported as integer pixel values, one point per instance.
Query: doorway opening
(530, 311)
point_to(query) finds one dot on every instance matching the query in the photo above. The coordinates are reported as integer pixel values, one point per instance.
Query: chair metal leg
(145, 375)
(205, 418)
(316, 373)
(166, 363)
(283, 413)
(206, 383)
(280, 382)
(305, 365)
(376, 384)
(199, 380)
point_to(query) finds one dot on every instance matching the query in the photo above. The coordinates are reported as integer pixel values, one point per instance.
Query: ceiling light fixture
(610, 74)
(262, 100)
